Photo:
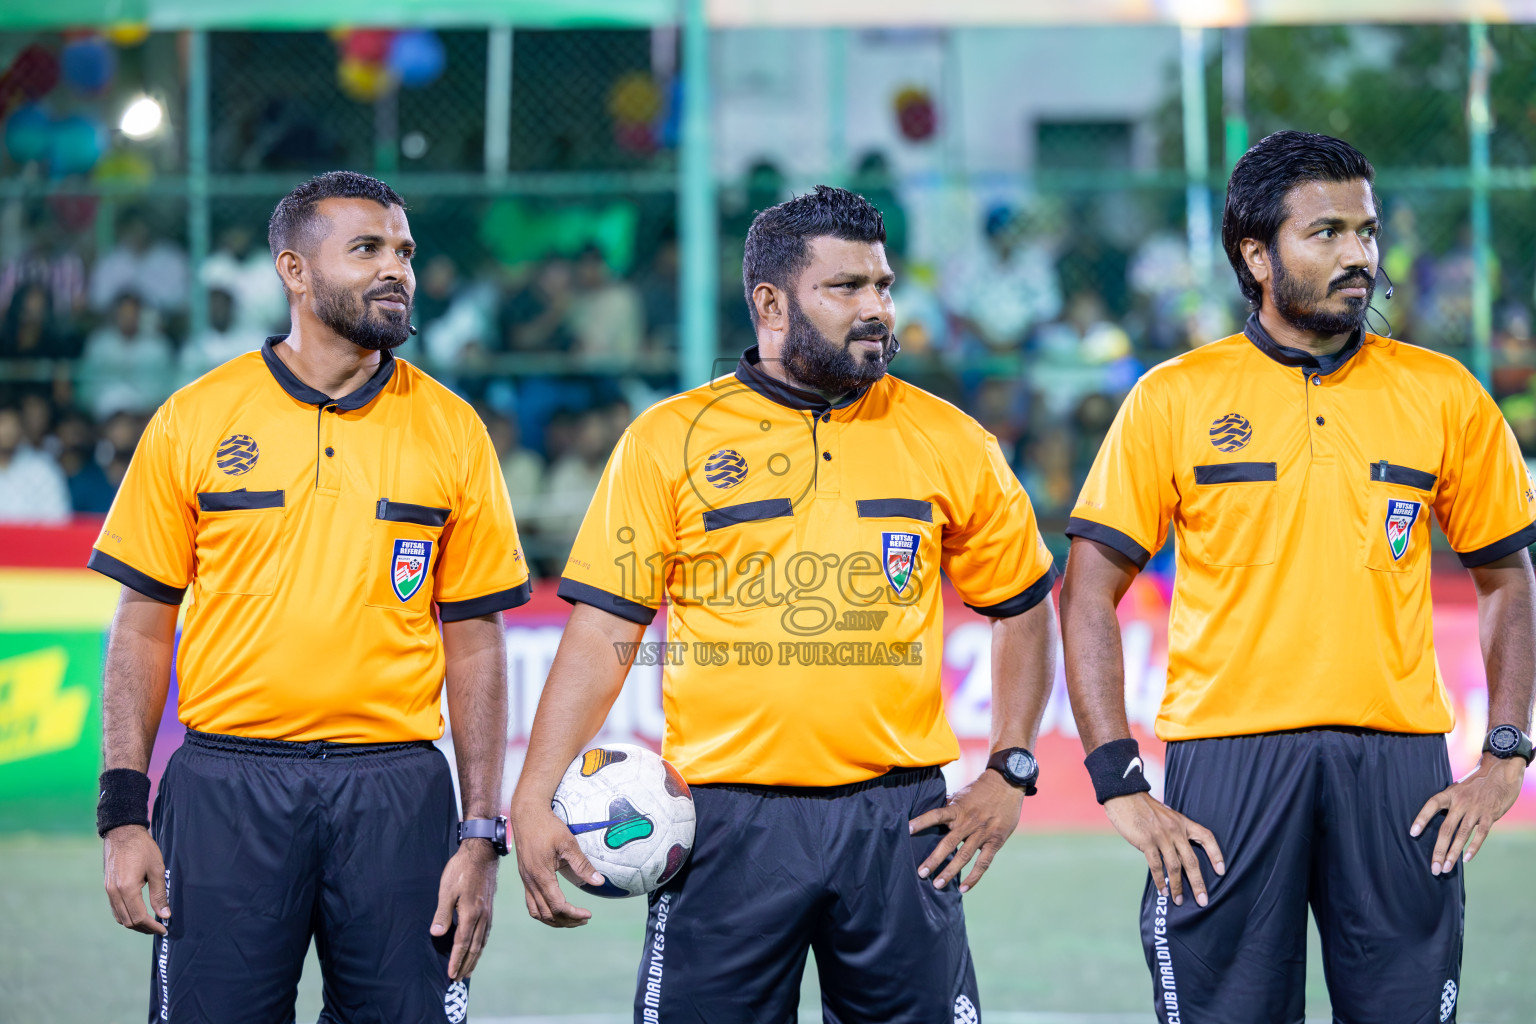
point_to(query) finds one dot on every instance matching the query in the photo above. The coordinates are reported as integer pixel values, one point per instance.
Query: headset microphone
(1380, 270)
(412, 327)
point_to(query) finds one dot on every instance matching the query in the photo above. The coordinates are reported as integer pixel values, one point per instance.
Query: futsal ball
(632, 815)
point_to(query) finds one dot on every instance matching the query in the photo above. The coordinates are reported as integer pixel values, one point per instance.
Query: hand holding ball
(632, 815)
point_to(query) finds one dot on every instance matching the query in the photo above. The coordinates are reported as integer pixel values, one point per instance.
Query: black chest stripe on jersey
(1235, 473)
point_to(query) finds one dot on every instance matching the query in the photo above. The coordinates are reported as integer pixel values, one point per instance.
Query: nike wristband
(124, 800)
(1116, 770)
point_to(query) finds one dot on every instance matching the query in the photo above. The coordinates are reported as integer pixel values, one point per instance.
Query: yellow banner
(33, 600)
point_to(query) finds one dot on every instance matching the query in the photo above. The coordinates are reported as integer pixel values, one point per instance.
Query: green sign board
(50, 730)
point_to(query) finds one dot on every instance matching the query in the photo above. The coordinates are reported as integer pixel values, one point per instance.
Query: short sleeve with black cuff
(124, 800)
(1116, 769)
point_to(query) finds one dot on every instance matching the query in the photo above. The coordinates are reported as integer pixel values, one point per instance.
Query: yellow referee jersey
(315, 536)
(800, 545)
(1300, 492)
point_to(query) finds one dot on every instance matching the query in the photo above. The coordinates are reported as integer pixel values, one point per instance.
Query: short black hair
(294, 222)
(1265, 176)
(778, 243)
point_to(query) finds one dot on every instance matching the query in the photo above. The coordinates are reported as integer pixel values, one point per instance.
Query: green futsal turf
(1053, 929)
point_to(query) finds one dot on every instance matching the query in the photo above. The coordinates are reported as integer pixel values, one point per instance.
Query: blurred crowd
(555, 353)
(1037, 318)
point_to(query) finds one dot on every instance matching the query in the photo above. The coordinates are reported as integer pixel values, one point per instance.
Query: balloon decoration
(32, 75)
(88, 64)
(417, 58)
(74, 213)
(128, 33)
(915, 114)
(368, 45)
(635, 103)
(27, 134)
(124, 166)
(363, 81)
(374, 61)
(75, 145)
(69, 145)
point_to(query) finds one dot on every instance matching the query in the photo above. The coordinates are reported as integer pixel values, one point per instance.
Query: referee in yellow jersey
(796, 515)
(1299, 464)
(319, 499)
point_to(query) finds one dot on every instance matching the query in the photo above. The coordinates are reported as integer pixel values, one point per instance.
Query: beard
(812, 359)
(354, 318)
(1297, 301)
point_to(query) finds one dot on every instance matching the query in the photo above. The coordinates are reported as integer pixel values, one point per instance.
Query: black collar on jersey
(749, 371)
(304, 393)
(1288, 356)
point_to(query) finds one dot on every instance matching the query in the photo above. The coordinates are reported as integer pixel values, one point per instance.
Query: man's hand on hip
(130, 860)
(1471, 805)
(1164, 837)
(545, 846)
(468, 887)
(980, 818)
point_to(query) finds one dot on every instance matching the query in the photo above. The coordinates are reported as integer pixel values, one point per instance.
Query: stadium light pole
(1479, 124)
(197, 175)
(837, 105)
(1234, 96)
(698, 283)
(498, 102)
(1197, 157)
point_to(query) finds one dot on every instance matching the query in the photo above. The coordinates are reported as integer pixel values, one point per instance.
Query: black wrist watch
(494, 829)
(1018, 767)
(1505, 741)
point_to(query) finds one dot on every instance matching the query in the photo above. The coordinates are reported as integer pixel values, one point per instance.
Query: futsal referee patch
(408, 563)
(1401, 515)
(900, 551)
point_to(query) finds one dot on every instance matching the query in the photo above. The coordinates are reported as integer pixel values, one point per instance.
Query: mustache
(392, 293)
(876, 331)
(1353, 279)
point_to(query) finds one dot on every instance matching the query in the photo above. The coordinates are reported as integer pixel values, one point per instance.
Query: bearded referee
(1299, 464)
(796, 515)
(319, 499)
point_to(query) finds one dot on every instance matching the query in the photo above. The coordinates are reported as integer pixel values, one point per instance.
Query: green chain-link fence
(1040, 225)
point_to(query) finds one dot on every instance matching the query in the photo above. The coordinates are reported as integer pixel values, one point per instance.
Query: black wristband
(124, 800)
(1116, 770)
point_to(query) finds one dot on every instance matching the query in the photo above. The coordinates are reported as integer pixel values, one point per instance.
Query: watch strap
(998, 762)
(1523, 747)
(494, 829)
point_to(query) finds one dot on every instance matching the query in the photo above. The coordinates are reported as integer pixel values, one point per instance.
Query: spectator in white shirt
(1005, 286)
(247, 273)
(32, 487)
(155, 270)
(227, 336)
(607, 317)
(127, 365)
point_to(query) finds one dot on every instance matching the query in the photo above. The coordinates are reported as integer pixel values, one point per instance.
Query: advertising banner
(53, 623)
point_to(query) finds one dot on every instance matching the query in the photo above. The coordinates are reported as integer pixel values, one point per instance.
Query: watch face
(1504, 739)
(1021, 764)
